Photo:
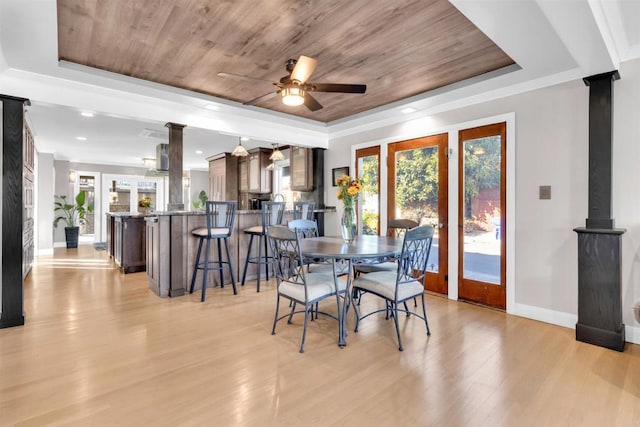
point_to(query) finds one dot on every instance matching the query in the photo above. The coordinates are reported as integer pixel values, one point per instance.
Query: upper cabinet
(301, 169)
(223, 177)
(259, 177)
(243, 176)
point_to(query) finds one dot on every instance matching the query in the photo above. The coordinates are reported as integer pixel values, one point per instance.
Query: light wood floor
(99, 348)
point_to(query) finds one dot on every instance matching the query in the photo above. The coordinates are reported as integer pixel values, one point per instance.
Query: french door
(481, 207)
(417, 187)
(368, 172)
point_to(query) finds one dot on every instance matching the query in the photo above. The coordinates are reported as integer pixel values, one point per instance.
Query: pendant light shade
(277, 155)
(240, 151)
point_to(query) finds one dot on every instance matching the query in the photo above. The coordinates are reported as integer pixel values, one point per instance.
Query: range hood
(162, 162)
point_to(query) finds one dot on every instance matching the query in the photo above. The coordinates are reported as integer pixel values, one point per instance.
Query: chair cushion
(327, 269)
(318, 287)
(381, 266)
(384, 283)
(215, 232)
(256, 229)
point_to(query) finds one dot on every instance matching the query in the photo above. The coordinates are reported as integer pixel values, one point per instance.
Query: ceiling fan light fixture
(240, 151)
(293, 96)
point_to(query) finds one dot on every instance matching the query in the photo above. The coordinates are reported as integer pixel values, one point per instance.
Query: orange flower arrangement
(348, 190)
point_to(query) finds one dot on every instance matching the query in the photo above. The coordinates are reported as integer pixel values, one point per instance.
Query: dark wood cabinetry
(301, 169)
(128, 241)
(223, 177)
(258, 175)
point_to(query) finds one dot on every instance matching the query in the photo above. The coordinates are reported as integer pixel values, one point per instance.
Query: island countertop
(238, 212)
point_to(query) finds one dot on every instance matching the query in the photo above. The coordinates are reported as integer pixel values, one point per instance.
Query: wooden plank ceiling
(398, 49)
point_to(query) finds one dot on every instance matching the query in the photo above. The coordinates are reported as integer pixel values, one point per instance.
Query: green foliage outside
(417, 179)
(369, 223)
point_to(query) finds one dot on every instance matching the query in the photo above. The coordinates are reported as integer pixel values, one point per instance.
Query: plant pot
(71, 234)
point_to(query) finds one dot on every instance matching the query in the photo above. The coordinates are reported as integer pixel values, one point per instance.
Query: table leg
(342, 342)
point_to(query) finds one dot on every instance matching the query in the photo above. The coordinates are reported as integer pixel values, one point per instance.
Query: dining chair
(307, 228)
(405, 283)
(220, 218)
(395, 228)
(303, 210)
(293, 283)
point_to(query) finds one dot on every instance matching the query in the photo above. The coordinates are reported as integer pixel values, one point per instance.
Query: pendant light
(240, 151)
(277, 155)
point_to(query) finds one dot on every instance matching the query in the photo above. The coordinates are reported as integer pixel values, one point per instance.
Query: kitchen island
(171, 249)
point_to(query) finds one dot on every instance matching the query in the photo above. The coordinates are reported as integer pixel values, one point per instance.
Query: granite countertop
(169, 213)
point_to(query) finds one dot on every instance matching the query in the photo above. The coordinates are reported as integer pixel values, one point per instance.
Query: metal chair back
(303, 210)
(220, 215)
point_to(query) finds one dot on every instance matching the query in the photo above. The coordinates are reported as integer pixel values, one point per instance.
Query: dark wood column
(176, 200)
(599, 243)
(12, 210)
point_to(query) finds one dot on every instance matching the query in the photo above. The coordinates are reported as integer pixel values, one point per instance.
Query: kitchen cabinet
(243, 176)
(301, 169)
(223, 177)
(258, 175)
(130, 243)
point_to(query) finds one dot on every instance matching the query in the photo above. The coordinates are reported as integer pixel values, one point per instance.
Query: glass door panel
(418, 191)
(87, 184)
(368, 172)
(482, 207)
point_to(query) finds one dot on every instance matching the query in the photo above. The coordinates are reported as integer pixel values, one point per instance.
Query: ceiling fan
(294, 88)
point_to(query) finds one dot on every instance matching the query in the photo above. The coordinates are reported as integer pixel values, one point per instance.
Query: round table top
(361, 247)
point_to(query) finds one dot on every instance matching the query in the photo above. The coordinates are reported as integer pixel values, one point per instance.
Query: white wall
(45, 178)
(199, 182)
(551, 148)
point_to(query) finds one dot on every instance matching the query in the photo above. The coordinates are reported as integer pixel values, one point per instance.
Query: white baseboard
(568, 320)
(545, 315)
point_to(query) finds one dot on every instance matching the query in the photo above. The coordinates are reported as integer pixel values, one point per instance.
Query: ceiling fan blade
(239, 77)
(311, 103)
(336, 87)
(303, 69)
(260, 98)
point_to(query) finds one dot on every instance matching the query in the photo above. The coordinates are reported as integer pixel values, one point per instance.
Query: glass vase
(348, 224)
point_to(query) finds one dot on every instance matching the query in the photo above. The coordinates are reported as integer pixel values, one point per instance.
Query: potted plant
(145, 205)
(72, 215)
(199, 205)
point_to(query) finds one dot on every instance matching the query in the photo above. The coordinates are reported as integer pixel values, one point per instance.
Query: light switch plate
(545, 192)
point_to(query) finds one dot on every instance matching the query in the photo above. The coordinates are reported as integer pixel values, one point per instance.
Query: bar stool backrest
(272, 214)
(220, 215)
(303, 210)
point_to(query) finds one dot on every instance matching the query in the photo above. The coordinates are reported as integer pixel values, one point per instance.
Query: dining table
(363, 249)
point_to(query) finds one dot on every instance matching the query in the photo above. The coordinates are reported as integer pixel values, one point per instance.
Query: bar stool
(303, 210)
(220, 217)
(272, 213)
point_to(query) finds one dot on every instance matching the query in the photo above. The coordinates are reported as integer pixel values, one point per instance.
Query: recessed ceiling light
(408, 110)
(198, 151)
(81, 138)
(86, 114)
(244, 138)
(211, 107)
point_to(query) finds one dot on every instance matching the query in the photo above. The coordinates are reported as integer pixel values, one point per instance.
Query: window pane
(482, 209)
(368, 173)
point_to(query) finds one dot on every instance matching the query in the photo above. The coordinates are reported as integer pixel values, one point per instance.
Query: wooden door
(417, 187)
(482, 219)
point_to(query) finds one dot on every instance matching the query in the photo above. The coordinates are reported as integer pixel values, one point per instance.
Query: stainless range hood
(162, 162)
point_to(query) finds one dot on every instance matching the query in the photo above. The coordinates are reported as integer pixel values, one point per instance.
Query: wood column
(11, 134)
(176, 201)
(599, 243)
